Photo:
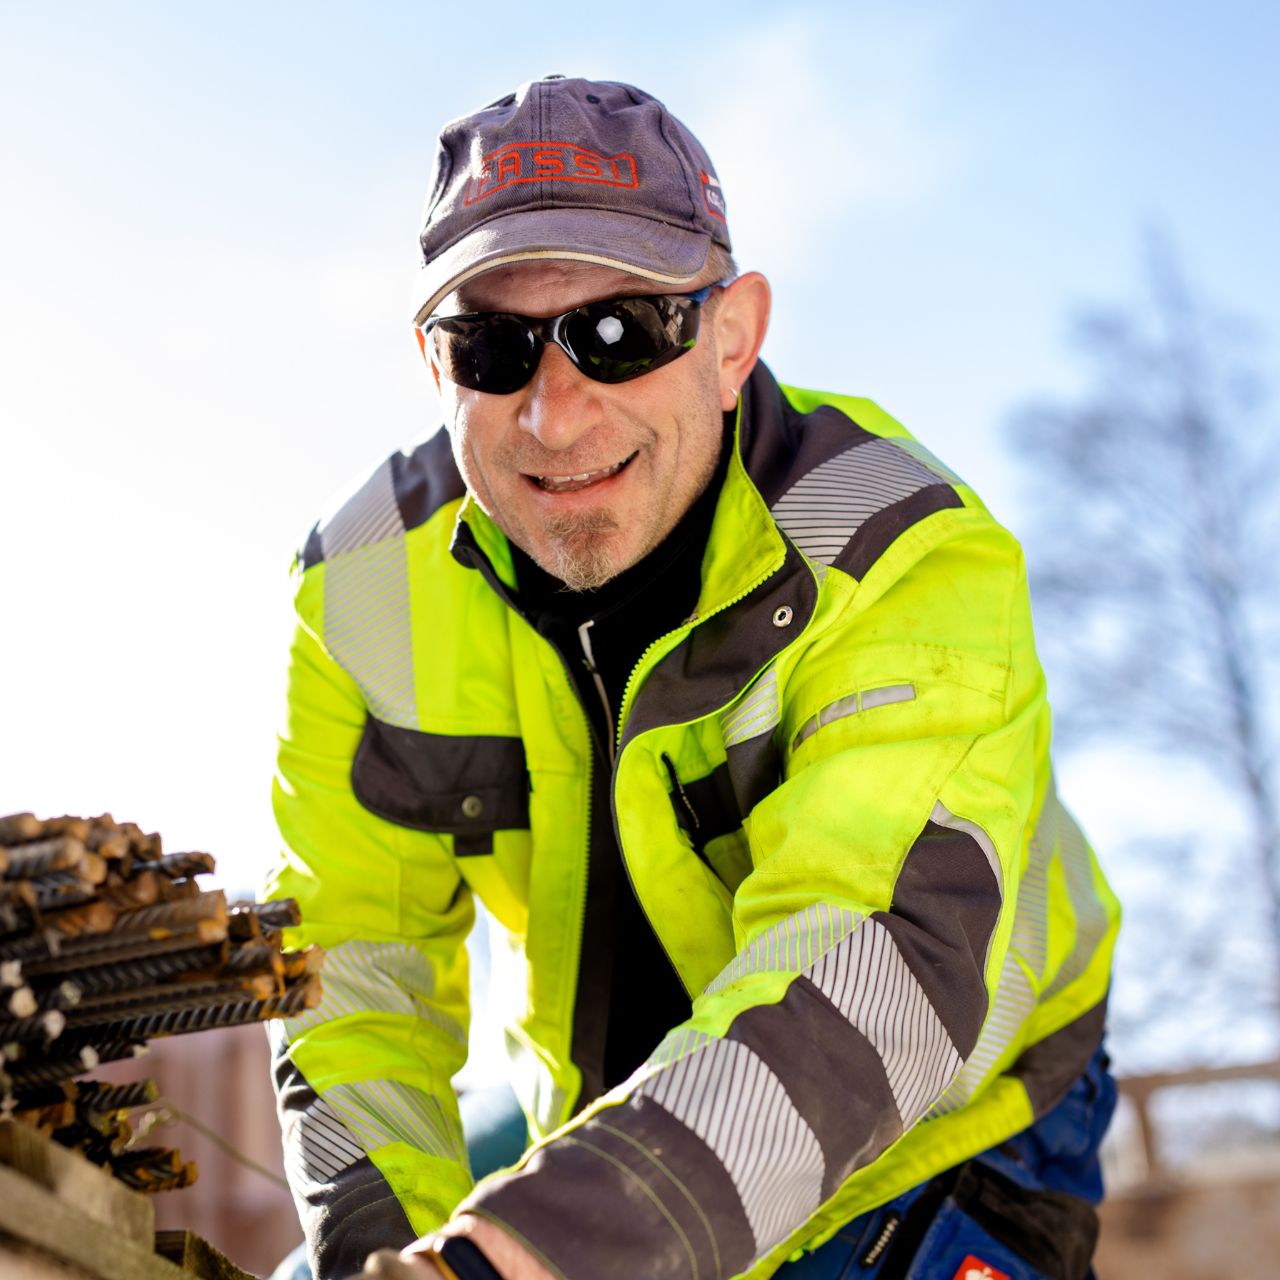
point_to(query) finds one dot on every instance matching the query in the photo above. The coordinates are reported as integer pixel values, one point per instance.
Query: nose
(560, 405)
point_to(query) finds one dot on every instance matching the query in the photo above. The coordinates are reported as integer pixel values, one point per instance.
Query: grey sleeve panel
(632, 1192)
(346, 1207)
(945, 906)
(817, 1051)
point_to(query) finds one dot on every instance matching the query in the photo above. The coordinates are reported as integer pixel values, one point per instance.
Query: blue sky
(207, 240)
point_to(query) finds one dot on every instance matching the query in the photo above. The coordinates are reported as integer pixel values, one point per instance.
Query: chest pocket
(466, 787)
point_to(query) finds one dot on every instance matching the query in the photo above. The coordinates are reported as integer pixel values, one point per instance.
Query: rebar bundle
(105, 943)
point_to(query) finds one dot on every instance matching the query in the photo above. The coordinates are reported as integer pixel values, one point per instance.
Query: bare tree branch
(1154, 550)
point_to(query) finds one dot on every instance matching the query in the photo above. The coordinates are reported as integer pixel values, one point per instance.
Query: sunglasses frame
(544, 329)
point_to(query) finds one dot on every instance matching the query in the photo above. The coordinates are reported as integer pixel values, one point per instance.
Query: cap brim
(654, 250)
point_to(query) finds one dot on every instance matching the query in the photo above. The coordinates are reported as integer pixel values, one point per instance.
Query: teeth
(556, 484)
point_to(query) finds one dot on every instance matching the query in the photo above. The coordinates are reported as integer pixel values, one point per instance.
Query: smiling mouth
(584, 480)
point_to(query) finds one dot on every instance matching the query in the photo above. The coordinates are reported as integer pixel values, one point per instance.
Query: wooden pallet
(63, 1217)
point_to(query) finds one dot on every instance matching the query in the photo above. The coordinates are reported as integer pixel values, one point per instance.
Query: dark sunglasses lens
(622, 338)
(494, 353)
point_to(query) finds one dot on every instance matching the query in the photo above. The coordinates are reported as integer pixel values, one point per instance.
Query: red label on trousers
(975, 1269)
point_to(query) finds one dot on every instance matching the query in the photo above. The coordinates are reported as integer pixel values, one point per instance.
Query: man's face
(640, 452)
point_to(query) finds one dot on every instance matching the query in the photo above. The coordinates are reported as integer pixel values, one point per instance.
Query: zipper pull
(589, 658)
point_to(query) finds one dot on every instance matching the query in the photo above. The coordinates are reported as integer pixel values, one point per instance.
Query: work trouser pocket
(987, 1227)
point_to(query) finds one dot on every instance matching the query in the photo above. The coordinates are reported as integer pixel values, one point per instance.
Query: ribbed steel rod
(149, 968)
(70, 955)
(122, 1006)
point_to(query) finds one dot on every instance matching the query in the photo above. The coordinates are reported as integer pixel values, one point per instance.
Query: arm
(373, 1144)
(871, 933)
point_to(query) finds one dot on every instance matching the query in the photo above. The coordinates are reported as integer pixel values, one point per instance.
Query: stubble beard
(579, 550)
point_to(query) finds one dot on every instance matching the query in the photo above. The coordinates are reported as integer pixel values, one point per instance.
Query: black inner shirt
(629, 996)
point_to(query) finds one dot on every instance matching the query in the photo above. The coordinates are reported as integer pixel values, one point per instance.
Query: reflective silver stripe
(790, 946)
(868, 980)
(369, 515)
(1030, 937)
(885, 695)
(367, 627)
(366, 598)
(675, 1045)
(379, 1112)
(1012, 1006)
(1015, 997)
(381, 977)
(826, 507)
(851, 704)
(728, 1096)
(318, 1146)
(945, 818)
(756, 713)
(1090, 911)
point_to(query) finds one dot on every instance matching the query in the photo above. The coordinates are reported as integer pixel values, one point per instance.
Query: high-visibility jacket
(833, 796)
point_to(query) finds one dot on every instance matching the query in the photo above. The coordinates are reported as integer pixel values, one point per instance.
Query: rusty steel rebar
(159, 920)
(181, 865)
(42, 955)
(141, 889)
(230, 1012)
(257, 958)
(39, 1028)
(106, 942)
(47, 1069)
(122, 975)
(95, 1096)
(17, 828)
(59, 853)
(106, 1010)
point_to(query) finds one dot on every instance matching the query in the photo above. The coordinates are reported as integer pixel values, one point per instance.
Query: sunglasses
(613, 340)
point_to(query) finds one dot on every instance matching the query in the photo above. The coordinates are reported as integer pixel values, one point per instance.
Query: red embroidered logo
(549, 162)
(712, 196)
(975, 1269)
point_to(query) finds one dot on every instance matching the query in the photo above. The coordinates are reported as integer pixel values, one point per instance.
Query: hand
(390, 1265)
(506, 1254)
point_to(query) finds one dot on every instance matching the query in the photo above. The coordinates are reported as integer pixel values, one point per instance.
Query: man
(722, 697)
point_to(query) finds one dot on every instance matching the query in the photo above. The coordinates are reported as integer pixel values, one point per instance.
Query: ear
(422, 346)
(741, 320)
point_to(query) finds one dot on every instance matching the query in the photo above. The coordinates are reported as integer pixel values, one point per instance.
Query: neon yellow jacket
(834, 800)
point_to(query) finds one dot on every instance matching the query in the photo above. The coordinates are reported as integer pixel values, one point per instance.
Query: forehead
(544, 287)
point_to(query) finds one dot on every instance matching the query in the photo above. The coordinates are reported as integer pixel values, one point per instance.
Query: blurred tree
(1154, 539)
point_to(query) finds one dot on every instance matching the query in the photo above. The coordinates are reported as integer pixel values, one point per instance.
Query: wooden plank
(20, 1262)
(197, 1256)
(77, 1182)
(36, 1216)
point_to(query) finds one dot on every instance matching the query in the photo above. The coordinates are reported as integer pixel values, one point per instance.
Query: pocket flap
(458, 785)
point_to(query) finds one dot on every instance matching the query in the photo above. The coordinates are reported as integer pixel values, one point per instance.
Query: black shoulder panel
(426, 479)
(780, 444)
(841, 493)
(400, 494)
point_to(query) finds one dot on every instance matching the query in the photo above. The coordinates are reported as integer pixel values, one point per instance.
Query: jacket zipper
(627, 694)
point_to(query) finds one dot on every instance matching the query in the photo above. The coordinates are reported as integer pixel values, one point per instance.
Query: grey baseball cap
(562, 168)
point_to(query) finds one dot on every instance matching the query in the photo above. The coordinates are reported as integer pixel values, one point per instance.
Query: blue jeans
(1057, 1154)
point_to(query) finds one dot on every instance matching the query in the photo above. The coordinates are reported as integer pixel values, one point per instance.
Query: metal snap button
(782, 616)
(472, 807)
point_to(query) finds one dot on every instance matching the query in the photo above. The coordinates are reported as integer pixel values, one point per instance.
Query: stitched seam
(647, 1189)
(697, 1208)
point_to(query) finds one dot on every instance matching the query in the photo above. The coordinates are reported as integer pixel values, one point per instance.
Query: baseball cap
(595, 171)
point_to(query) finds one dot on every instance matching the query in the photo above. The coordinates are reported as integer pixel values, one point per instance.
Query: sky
(207, 241)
